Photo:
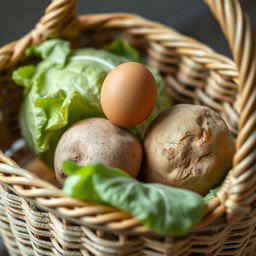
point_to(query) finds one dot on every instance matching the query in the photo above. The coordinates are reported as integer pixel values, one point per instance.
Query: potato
(188, 146)
(98, 140)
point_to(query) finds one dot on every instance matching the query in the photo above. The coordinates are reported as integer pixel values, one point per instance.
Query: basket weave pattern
(36, 218)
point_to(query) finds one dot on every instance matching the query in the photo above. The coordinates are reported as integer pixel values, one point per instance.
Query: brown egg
(128, 94)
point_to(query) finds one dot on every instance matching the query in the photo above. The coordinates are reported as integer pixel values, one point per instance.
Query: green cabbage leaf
(163, 209)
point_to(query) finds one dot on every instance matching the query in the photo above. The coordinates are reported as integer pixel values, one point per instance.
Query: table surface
(191, 18)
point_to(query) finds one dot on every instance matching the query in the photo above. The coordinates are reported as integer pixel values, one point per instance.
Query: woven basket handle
(242, 180)
(60, 20)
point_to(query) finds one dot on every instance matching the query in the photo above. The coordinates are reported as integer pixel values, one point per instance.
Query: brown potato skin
(98, 140)
(188, 146)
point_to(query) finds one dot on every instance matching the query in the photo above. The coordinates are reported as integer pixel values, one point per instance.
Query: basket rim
(89, 21)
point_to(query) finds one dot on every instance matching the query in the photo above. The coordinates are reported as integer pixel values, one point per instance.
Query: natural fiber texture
(36, 218)
(242, 42)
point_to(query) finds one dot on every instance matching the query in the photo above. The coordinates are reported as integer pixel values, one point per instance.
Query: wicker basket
(36, 218)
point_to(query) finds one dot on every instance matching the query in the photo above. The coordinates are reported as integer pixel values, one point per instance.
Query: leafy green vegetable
(56, 51)
(163, 209)
(65, 88)
(212, 194)
(23, 76)
(122, 48)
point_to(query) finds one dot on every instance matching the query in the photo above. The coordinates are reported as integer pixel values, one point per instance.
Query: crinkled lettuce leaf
(65, 87)
(122, 48)
(163, 209)
(56, 51)
(212, 194)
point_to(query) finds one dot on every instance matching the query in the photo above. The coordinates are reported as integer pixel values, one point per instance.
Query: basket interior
(187, 80)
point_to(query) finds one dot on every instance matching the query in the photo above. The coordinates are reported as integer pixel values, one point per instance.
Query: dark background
(190, 17)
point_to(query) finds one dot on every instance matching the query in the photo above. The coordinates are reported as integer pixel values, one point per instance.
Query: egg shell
(128, 94)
